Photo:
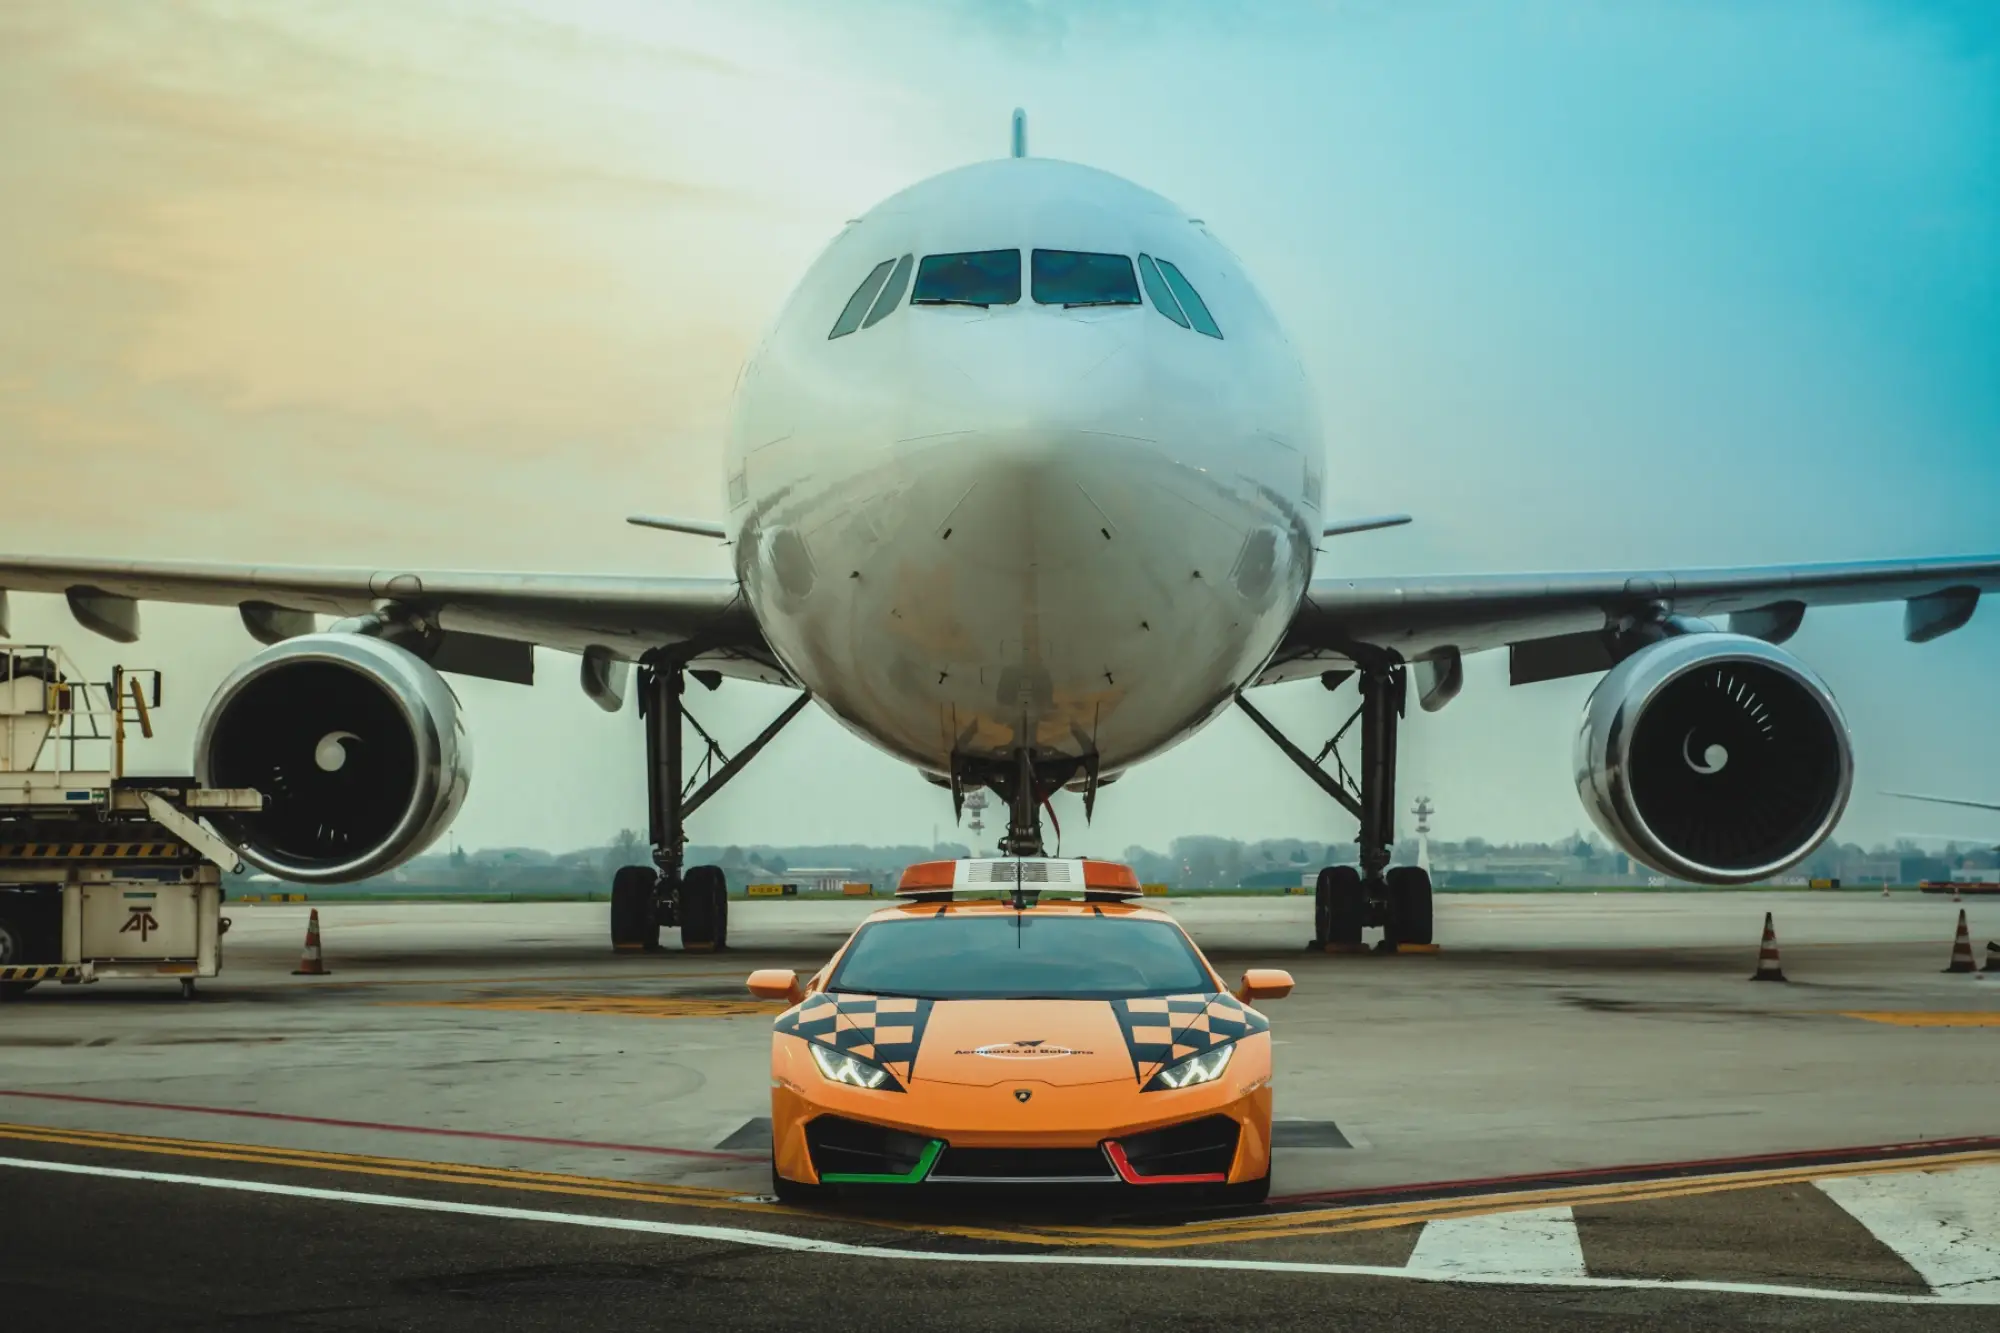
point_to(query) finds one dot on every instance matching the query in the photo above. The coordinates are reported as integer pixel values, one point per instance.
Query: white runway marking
(772, 1240)
(1538, 1242)
(1945, 1224)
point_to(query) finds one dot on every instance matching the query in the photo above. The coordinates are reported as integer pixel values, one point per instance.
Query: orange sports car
(1022, 1038)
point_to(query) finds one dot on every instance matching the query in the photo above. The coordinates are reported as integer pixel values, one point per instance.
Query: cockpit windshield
(1075, 277)
(976, 277)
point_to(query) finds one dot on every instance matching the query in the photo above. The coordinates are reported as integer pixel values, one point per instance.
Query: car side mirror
(779, 983)
(1264, 983)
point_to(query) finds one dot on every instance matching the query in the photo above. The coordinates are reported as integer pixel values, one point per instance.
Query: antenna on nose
(1020, 132)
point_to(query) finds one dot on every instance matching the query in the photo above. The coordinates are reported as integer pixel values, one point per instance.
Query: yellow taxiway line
(1270, 1226)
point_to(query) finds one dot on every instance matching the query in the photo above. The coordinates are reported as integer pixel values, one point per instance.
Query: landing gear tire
(13, 949)
(1339, 905)
(633, 922)
(704, 910)
(1409, 905)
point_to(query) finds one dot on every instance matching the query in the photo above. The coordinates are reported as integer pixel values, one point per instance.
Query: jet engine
(357, 746)
(1714, 757)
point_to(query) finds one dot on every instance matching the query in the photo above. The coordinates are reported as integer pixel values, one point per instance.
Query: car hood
(1059, 1042)
(985, 1042)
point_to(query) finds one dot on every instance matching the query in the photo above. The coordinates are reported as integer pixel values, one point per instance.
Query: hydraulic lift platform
(102, 874)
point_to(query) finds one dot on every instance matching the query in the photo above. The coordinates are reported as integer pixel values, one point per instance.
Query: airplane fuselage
(1076, 525)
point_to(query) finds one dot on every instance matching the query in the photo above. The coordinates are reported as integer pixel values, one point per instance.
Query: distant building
(824, 879)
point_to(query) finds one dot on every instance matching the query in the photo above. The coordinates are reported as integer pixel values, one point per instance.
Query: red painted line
(1618, 1175)
(389, 1128)
(1123, 1166)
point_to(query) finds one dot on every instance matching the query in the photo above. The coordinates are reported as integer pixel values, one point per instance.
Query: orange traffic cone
(310, 964)
(1961, 947)
(1768, 968)
(1992, 958)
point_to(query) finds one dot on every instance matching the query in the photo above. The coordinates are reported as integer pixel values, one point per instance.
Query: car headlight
(1203, 1068)
(855, 1072)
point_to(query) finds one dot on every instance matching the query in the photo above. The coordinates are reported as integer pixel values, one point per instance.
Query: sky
(1580, 285)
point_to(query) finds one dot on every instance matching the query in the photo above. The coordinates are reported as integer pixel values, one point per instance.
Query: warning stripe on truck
(42, 972)
(90, 851)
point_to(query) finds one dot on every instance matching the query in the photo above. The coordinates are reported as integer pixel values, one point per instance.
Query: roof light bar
(1079, 877)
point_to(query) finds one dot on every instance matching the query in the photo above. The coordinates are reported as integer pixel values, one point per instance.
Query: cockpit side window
(1156, 287)
(1073, 278)
(976, 277)
(892, 294)
(857, 304)
(1190, 300)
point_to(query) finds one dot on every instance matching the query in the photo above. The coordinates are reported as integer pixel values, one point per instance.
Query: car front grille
(840, 1146)
(1193, 1148)
(968, 1165)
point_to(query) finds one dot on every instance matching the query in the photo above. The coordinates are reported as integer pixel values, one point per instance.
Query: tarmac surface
(1579, 1115)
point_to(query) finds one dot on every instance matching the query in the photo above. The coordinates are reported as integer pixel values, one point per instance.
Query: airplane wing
(1944, 800)
(1556, 625)
(620, 616)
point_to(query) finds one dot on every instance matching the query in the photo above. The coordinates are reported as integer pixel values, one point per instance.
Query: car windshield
(954, 956)
(1073, 277)
(977, 277)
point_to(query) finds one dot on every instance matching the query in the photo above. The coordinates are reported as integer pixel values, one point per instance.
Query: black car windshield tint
(990, 957)
(857, 304)
(1191, 300)
(977, 277)
(1072, 277)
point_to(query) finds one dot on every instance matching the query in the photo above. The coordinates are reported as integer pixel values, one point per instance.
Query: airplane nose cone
(1039, 369)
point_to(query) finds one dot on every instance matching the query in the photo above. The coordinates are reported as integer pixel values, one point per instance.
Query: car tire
(791, 1191)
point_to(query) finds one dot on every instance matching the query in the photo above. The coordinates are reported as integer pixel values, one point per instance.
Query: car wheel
(791, 1191)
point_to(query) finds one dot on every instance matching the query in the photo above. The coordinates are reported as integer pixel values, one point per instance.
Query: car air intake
(1024, 1165)
(843, 1147)
(1196, 1148)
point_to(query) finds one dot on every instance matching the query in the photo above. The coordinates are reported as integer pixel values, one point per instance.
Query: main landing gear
(1348, 899)
(647, 899)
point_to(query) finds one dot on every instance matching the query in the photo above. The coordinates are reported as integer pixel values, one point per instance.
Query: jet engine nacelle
(1714, 757)
(357, 746)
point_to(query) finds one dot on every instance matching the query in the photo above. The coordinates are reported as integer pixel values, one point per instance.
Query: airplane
(1024, 485)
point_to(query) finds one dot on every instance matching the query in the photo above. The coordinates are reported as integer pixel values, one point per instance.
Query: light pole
(1423, 810)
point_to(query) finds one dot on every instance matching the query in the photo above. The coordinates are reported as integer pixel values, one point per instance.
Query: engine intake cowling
(1714, 757)
(356, 744)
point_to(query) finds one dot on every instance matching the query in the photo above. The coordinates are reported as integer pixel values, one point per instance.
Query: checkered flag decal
(1161, 1029)
(885, 1029)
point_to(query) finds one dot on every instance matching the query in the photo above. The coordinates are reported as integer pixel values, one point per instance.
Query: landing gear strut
(1348, 899)
(1024, 783)
(646, 899)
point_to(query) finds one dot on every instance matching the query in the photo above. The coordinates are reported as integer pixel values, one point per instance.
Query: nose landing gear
(1025, 783)
(1348, 899)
